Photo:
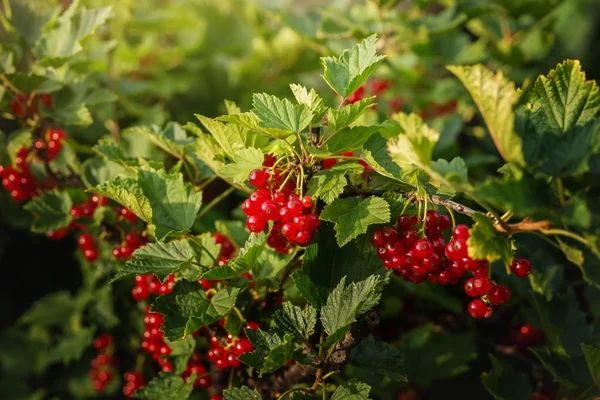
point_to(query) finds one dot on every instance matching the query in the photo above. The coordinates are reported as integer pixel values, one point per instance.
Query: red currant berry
(498, 295)
(409, 237)
(520, 267)
(270, 210)
(307, 201)
(478, 309)
(390, 233)
(422, 248)
(294, 206)
(256, 223)
(460, 232)
(257, 178)
(377, 239)
(90, 254)
(289, 231)
(303, 238)
(85, 241)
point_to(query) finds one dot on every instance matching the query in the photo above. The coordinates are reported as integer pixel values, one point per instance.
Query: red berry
(252, 325)
(85, 241)
(128, 215)
(90, 254)
(312, 222)
(303, 238)
(405, 221)
(498, 295)
(269, 160)
(258, 178)
(377, 239)
(475, 287)
(389, 233)
(520, 267)
(422, 248)
(356, 96)
(256, 223)
(478, 309)
(289, 231)
(307, 201)
(460, 232)
(294, 206)
(444, 222)
(456, 250)
(270, 210)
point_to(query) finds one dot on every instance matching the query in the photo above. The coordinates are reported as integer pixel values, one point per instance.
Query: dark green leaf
(51, 210)
(166, 386)
(243, 393)
(328, 184)
(295, 320)
(504, 383)
(378, 357)
(486, 243)
(352, 390)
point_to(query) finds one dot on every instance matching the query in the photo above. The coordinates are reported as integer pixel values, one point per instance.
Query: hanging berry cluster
(24, 105)
(227, 248)
(274, 200)
(19, 180)
(418, 258)
(103, 364)
(148, 284)
(224, 351)
(51, 143)
(133, 241)
(195, 366)
(154, 343)
(133, 381)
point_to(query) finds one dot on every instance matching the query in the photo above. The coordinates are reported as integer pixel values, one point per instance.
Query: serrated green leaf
(174, 202)
(235, 230)
(173, 139)
(70, 347)
(126, 191)
(486, 243)
(454, 171)
(51, 210)
(592, 357)
(353, 216)
(495, 96)
(166, 386)
(350, 139)
(187, 308)
(64, 39)
(243, 393)
(269, 264)
(339, 119)
(277, 113)
(227, 136)
(346, 73)
(311, 99)
(378, 357)
(413, 149)
(328, 184)
(244, 161)
(160, 259)
(375, 153)
(54, 309)
(345, 303)
(247, 259)
(504, 383)
(325, 264)
(271, 351)
(352, 390)
(295, 320)
(563, 98)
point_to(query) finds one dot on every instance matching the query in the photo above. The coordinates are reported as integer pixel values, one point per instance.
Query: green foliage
(166, 385)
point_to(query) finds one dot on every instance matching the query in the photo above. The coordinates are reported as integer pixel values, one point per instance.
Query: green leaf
(126, 191)
(378, 357)
(339, 119)
(563, 98)
(345, 303)
(269, 264)
(350, 139)
(352, 390)
(325, 264)
(247, 259)
(375, 153)
(227, 136)
(454, 171)
(486, 243)
(71, 347)
(504, 383)
(271, 351)
(352, 216)
(174, 202)
(54, 309)
(346, 73)
(51, 210)
(413, 149)
(295, 320)
(243, 393)
(244, 161)
(166, 386)
(311, 99)
(328, 184)
(592, 357)
(64, 39)
(181, 352)
(173, 139)
(187, 308)
(160, 259)
(495, 97)
(274, 112)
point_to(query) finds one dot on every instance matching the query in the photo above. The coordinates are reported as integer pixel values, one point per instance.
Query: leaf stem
(214, 202)
(561, 191)
(292, 390)
(199, 243)
(562, 232)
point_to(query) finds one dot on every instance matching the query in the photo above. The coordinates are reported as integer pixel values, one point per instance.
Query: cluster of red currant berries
(154, 343)
(52, 143)
(148, 284)
(225, 351)
(195, 366)
(103, 364)
(134, 380)
(133, 241)
(293, 217)
(24, 105)
(431, 258)
(19, 180)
